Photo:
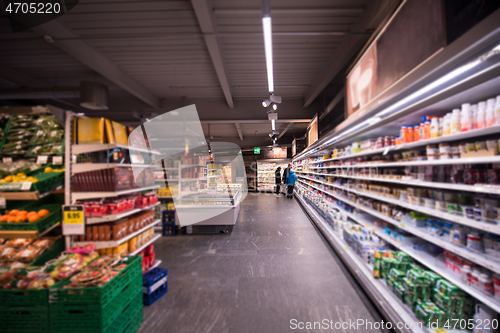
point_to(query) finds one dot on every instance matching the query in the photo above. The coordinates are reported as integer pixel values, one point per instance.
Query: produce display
(21, 216)
(32, 135)
(17, 253)
(97, 273)
(44, 277)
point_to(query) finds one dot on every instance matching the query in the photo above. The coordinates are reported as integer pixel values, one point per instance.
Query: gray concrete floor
(273, 267)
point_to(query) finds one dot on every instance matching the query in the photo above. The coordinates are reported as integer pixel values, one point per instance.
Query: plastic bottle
(490, 112)
(403, 133)
(427, 129)
(465, 118)
(441, 126)
(497, 111)
(434, 128)
(465, 273)
(455, 121)
(496, 285)
(485, 283)
(447, 124)
(480, 120)
(410, 134)
(416, 133)
(473, 112)
(474, 278)
(422, 127)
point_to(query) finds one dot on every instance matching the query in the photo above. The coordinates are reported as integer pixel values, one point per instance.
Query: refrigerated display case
(409, 174)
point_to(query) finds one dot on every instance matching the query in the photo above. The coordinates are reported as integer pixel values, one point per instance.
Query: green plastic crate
(42, 224)
(98, 295)
(50, 254)
(34, 319)
(93, 317)
(47, 181)
(131, 318)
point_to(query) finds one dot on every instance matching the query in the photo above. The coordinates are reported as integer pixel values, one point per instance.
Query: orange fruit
(4, 218)
(14, 212)
(23, 212)
(33, 218)
(19, 219)
(43, 212)
(32, 213)
(11, 219)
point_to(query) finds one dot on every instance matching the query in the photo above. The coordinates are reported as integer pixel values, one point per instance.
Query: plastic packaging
(465, 273)
(447, 124)
(434, 128)
(466, 118)
(427, 130)
(473, 112)
(474, 241)
(497, 110)
(441, 126)
(490, 112)
(481, 113)
(455, 121)
(474, 277)
(485, 283)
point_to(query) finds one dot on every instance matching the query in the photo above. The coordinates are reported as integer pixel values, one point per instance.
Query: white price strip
(42, 159)
(3, 202)
(57, 160)
(7, 160)
(26, 186)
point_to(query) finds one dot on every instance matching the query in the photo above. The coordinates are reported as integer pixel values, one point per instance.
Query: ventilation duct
(93, 95)
(19, 94)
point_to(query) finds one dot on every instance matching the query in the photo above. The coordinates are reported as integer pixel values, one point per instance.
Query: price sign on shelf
(57, 160)
(3, 203)
(7, 160)
(73, 220)
(42, 159)
(26, 186)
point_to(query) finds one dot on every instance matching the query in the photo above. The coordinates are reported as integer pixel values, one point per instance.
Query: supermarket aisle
(274, 267)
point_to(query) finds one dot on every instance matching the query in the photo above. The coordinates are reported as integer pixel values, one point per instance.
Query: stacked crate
(114, 307)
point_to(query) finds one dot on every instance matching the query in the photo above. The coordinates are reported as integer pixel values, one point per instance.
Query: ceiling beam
(20, 79)
(204, 14)
(333, 103)
(238, 129)
(347, 11)
(67, 41)
(372, 17)
(286, 129)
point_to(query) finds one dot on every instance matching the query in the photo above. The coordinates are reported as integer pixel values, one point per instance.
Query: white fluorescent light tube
(273, 124)
(268, 44)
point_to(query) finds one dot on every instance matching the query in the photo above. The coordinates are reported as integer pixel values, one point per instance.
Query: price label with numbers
(73, 220)
(7, 160)
(43, 159)
(57, 160)
(3, 203)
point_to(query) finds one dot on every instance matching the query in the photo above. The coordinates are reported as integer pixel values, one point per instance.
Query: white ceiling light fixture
(268, 42)
(273, 124)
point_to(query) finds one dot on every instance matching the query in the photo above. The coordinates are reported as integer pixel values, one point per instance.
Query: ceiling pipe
(42, 93)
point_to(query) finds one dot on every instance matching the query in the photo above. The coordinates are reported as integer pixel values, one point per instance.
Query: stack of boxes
(433, 299)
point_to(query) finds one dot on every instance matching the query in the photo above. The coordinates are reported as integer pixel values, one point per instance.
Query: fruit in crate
(18, 178)
(22, 216)
(50, 169)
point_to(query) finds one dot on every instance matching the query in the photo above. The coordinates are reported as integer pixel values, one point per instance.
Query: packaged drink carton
(448, 289)
(425, 292)
(429, 313)
(399, 291)
(412, 293)
(390, 284)
(431, 278)
(403, 257)
(446, 303)
(404, 266)
(386, 265)
(416, 267)
(396, 275)
(415, 276)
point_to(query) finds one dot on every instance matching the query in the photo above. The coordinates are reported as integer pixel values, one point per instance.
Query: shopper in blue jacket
(290, 181)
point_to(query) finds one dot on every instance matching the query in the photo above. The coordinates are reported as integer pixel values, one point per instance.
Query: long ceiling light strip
(268, 42)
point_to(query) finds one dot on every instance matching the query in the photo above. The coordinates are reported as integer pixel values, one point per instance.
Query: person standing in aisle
(285, 172)
(290, 181)
(277, 177)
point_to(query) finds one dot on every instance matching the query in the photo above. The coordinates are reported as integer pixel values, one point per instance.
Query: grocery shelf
(195, 165)
(107, 244)
(385, 299)
(143, 246)
(476, 257)
(84, 167)
(94, 195)
(89, 148)
(32, 234)
(489, 227)
(446, 138)
(169, 197)
(156, 264)
(452, 161)
(115, 217)
(439, 267)
(165, 180)
(491, 189)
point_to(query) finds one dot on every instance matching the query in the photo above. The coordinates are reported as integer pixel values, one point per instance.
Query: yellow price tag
(73, 217)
